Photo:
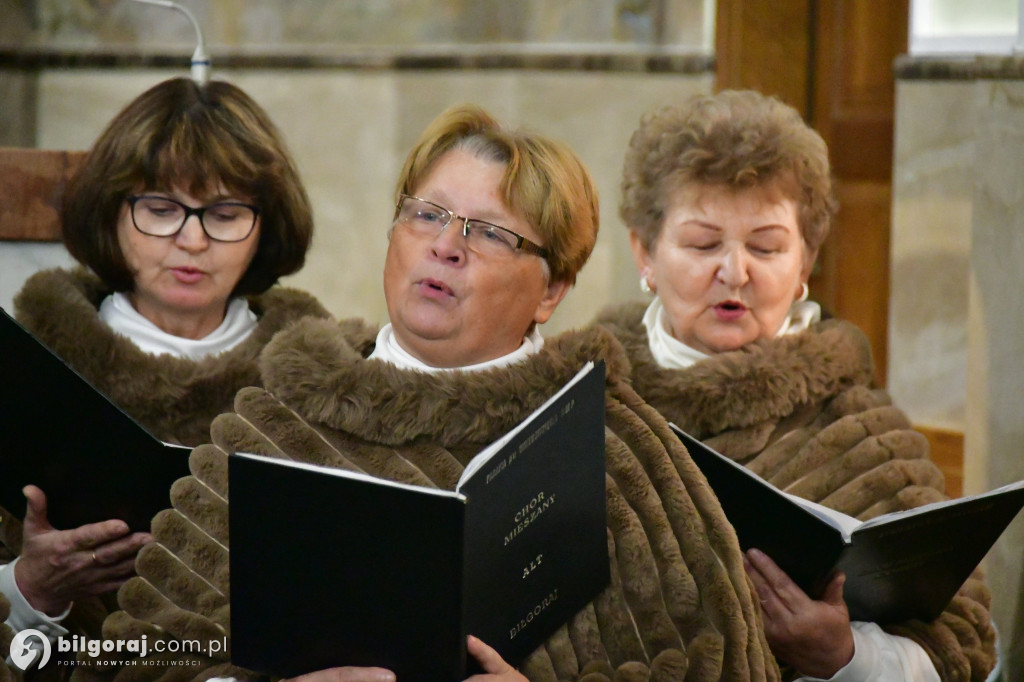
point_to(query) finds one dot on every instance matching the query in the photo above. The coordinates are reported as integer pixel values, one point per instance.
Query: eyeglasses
(428, 219)
(226, 221)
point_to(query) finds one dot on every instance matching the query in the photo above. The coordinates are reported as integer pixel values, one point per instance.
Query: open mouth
(731, 306)
(187, 274)
(437, 286)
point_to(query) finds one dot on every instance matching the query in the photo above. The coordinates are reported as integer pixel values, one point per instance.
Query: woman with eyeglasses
(186, 211)
(490, 229)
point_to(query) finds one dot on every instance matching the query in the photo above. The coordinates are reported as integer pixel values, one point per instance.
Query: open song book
(898, 566)
(333, 567)
(93, 461)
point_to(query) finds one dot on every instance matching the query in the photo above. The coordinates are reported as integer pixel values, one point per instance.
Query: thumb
(489, 659)
(35, 510)
(834, 590)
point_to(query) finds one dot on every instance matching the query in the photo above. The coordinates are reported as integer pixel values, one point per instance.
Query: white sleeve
(881, 657)
(23, 616)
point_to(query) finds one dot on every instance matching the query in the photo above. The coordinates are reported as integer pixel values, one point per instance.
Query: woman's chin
(723, 343)
(188, 305)
(185, 297)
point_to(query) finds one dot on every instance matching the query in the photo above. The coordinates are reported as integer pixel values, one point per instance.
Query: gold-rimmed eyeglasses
(428, 219)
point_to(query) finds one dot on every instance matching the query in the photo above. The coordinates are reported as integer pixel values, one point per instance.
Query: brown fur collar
(175, 398)
(766, 380)
(317, 368)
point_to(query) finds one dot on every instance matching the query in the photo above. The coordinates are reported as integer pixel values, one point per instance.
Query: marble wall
(995, 360)
(351, 85)
(349, 133)
(930, 250)
(269, 24)
(957, 316)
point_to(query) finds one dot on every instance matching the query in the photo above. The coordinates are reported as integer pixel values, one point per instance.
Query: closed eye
(704, 246)
(159, 208)
(764, 249)
(224, 212)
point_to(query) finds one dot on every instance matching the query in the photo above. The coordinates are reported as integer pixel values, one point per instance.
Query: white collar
(118, 312)
(671, 353)
(388, 350)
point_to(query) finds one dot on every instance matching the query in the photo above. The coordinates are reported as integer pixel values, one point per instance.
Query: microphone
(200, 60)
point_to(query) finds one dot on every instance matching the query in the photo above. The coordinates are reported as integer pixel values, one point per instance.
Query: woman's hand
(495, 667)
(813, 636)
(346, 674)
(58, 566)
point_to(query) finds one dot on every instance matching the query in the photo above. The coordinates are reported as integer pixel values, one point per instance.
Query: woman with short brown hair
(184, 214)
(728, 198)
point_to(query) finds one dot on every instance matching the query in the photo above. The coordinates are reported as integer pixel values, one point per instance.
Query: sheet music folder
(396, 575)
(93, 461)
(899, 566)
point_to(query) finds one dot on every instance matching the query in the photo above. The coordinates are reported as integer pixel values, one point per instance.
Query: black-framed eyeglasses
(225, 221)
(427, 218)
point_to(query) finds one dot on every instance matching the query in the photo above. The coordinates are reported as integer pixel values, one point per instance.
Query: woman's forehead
(203, 189)
(769, 191)
(724, 208)
(467, 182)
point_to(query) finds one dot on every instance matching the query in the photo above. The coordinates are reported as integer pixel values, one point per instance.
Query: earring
(645, 282)
(805, 291)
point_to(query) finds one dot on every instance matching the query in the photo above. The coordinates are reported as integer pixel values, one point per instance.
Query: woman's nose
(191, 236)
(732, 270)
(450, 244)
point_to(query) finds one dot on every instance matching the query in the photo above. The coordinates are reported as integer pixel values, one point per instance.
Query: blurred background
(921, 102)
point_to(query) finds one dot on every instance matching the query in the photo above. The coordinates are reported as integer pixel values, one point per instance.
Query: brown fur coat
(175, 398)
(679, 607)
(801, 412)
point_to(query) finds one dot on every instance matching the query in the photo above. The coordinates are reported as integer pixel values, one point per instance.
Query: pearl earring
(645, 281)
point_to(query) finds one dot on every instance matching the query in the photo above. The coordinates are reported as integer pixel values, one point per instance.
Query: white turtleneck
(877, 655)
(389, 350)
(239, 321)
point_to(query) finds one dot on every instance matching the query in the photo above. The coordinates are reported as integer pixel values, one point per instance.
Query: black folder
(93, 461)
(899, 566)
(333, 568)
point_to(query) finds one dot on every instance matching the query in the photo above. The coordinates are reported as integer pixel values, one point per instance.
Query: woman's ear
(554, 294)
(808, 266)
(641, 256)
